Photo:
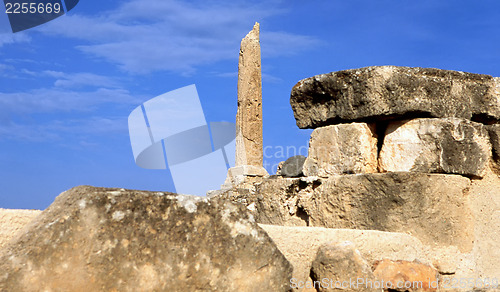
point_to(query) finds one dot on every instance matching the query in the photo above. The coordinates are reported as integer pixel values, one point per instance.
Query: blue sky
(68, 86)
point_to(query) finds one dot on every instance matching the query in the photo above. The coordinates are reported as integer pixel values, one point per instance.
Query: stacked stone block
(427, 120)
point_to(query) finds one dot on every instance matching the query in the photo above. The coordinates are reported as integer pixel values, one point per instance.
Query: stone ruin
(398, 151)
(401, 185)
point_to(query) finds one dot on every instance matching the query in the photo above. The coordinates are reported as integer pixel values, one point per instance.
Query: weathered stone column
(249, 147)
(249, 114)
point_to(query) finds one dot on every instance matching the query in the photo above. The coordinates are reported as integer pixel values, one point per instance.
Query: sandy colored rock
(340, 267)
(453, 146)
(342, 149)
(435, 208)
(249, 149)
(13, 221)
(105, 239)
(407, 276)
(386, 92)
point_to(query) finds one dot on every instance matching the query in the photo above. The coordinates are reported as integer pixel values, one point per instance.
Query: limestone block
(341, 149)
(435, 208)
(387, 92)
(453, 146)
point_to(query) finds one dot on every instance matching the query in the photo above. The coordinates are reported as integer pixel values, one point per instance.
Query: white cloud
(61, 130)
(77, 80)
(10, 38)
(61, 100)
(142, 36)
(280, 44)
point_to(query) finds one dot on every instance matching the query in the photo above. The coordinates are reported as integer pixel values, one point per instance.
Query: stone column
(249, 148)
(249, 114)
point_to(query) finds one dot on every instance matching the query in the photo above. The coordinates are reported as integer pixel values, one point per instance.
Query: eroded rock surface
(385, 92)
(103, 239)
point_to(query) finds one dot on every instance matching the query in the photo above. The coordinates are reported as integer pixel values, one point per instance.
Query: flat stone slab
(452, 146)
(387, 92)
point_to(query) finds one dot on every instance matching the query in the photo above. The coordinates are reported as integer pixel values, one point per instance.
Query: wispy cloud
(60, 130)
(77, 80)
(10, 38)
(61, 100)
(142, 36)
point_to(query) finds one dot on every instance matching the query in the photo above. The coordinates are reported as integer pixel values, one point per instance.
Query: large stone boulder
(386, 92)
(104, 239)
(342, 149)
(452, 145)
(340, 267)
(435, 208)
